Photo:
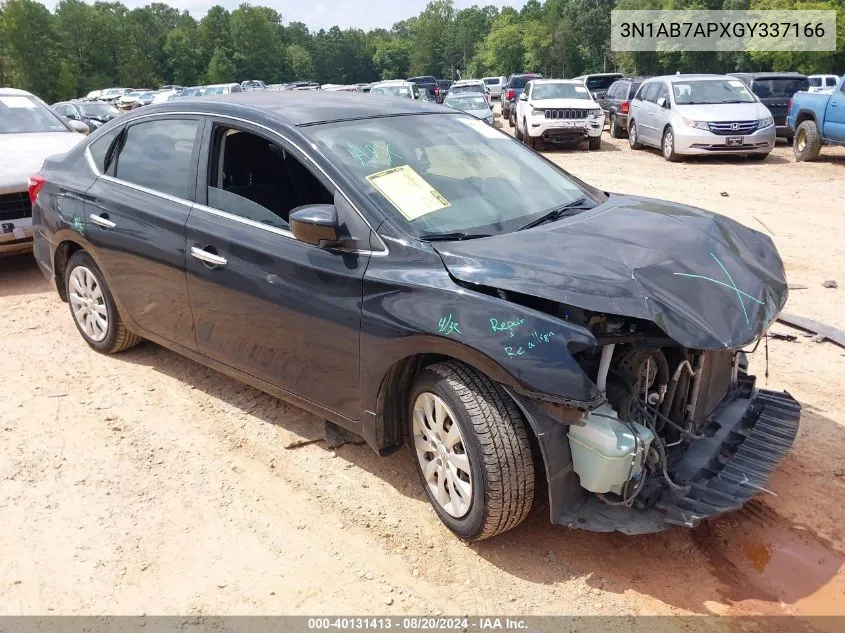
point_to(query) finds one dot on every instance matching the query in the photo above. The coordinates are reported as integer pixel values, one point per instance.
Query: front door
(135, 215)
(285, 312)
(834, 123)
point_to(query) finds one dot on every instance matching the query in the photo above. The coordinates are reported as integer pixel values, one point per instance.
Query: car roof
(305, 107)
(556, 81)
(702, 76)
(602, 75)
(393, 82)
(15, 91)
(771, 75)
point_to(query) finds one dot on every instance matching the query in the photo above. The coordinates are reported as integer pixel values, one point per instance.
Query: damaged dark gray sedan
(412, 275)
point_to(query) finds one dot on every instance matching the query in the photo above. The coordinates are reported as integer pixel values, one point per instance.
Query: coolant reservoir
(604, 449)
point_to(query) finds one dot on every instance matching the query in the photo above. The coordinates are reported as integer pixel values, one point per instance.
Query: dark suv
(428, 83)
(514, 88)
(616, 102)
(775, 90)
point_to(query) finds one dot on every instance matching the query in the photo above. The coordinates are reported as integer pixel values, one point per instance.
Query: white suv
(558, 111)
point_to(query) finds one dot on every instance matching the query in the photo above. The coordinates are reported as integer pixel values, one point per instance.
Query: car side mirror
(491, 106)
(78, 126)
(315, 224)
(662, 102)
(523, 96)
(72, 116)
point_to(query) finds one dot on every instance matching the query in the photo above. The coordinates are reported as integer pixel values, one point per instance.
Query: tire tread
(505, 447)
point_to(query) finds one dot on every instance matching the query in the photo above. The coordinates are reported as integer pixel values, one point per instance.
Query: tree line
(80, 47)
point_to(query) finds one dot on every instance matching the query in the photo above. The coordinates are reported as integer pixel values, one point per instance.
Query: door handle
(209, 258)
(102, 221)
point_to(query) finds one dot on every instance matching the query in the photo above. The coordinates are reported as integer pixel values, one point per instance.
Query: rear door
(134, 217)
(834, 121)
(647, 122)
(280, 310)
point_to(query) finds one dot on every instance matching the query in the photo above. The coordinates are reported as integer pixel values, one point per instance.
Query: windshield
(112, 92)
(600, 83)
(21, 114)
(469, 102)
(467, 88)
(491, 81)
(455, 175)
(391, 91)
(214, 90)
(710, 91)
(559, 91)
(97, 109)
(779, 87)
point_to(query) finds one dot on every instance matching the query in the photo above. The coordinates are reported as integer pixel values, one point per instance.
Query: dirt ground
(145, 483)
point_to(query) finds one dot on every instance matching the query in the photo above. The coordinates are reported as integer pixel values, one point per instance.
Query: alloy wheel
(668, 144)
(440, 450)
(88, 304)
(802, 140)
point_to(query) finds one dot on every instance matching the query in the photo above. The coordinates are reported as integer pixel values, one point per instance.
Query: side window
(157, 155)
(640, 96)
(662, 93)
(815, 82)
(100, 147)
(62, 109)
(236, 88)
(254, 178)
(651, 93)
(831, 82)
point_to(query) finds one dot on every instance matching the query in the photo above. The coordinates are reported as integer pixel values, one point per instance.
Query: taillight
(437, 91)
(789, 105)
(510, 94)
(35, 183)
(624, 106)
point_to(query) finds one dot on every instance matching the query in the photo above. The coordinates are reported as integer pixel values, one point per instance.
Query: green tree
(221, 69)
(256, 43)
(392, 58)
(183, 56)
(29, 41)
(299, 62)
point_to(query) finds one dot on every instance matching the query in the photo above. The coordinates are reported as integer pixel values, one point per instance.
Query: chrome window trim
(91, 164)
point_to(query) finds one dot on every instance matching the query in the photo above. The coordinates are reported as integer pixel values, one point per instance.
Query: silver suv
(700, 114)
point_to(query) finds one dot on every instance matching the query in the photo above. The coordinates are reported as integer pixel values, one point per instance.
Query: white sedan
(559, 111)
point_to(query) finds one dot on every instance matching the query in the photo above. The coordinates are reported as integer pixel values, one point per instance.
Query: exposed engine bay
(667, 428)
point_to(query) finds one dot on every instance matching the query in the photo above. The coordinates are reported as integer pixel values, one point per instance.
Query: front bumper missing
(725, 471)
(749, 437)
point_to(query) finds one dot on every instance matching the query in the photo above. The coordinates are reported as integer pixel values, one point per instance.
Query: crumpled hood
(707, 281)
(21, 155)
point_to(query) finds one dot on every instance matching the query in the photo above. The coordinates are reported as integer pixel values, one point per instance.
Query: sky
(317, 14)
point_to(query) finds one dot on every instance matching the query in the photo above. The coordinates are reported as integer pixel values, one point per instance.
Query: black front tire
(509, 118)
(595, 142)
(633, 137)
(118, 337)
(495, 438)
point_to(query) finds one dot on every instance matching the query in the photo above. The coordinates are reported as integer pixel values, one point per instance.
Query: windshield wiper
(451, 237)
(555, 214)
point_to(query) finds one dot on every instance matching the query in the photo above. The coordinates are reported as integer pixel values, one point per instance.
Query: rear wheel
(668, 146)
(807, 143)
(616, 130)
(509, 118)
(472, 451)
(633, 138)
(93, 308)
(517, 131)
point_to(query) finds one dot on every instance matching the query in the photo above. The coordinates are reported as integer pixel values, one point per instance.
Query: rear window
(491, 81)
(519, 82)
(600, 83)
(633, 90)
(423, 80)
(780, 86)
(816, 82)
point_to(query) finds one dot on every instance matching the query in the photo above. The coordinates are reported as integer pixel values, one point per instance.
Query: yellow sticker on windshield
(408, 191)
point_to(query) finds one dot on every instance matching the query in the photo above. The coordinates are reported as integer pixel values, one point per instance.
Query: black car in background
(444, 85)
(775, 90)
(92, 113)
(616, 103)
(429, 83)
(412, 275)
(510, 93)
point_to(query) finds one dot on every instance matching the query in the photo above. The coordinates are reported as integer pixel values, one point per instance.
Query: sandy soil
(145, 483)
